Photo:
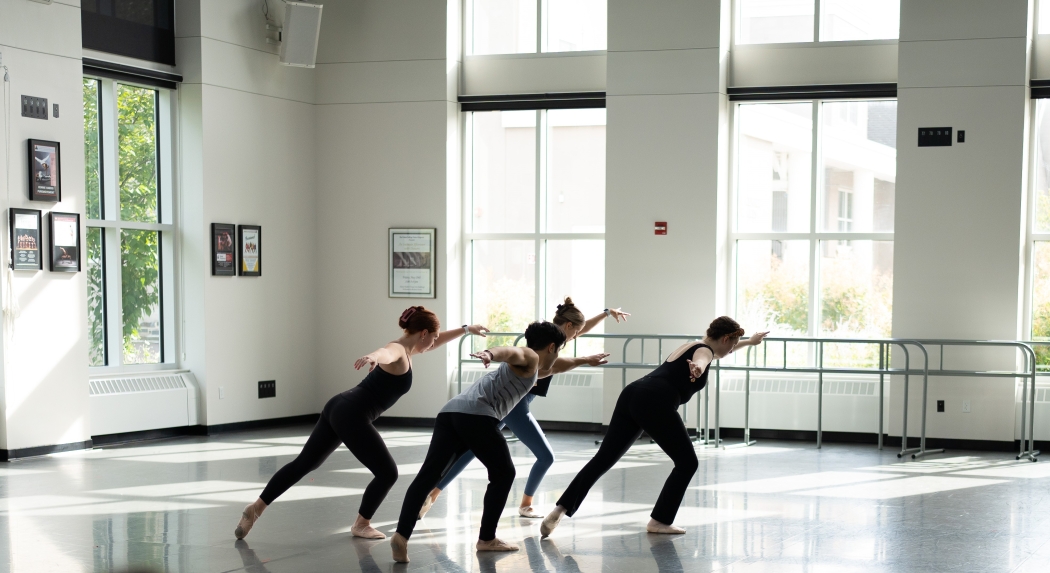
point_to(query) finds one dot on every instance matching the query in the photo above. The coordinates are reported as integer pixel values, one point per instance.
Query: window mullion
(114, 298)
(540, 220)
(110, 203)
(814, 214)
(817, 23)
(541, 28)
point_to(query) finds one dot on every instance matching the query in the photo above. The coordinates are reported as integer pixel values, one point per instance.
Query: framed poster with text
(64, 239)
(249, 249)
(223, 251)
(44, 171)
(412, 269)
(25, 225)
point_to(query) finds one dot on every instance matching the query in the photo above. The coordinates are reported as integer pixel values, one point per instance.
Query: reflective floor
(776, 506)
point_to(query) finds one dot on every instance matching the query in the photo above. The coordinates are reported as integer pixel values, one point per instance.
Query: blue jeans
(527, 429)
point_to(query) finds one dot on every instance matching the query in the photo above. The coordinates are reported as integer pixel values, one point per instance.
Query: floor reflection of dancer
(521, 421)
(470, 421)
(347, 418)
(651, 404)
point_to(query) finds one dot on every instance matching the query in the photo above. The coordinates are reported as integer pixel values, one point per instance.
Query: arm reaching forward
(388, 354)
(524, 360)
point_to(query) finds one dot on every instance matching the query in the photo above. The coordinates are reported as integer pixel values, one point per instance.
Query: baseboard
(583, 427)
(305, 419)
(18, 453)
(404, 421)
(160, 434)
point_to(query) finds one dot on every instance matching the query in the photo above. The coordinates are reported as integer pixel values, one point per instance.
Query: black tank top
(675, 373)
(542, 386)
(384, 387)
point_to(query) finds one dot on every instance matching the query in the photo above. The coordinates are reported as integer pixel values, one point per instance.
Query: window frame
(818, 27)
(112, 225)
(1032, 236)
(815, 236)
(541, 36)
(539, 235)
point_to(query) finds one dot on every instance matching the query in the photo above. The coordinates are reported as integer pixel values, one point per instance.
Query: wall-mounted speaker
(302, 26)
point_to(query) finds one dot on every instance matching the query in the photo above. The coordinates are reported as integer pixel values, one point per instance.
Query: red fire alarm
(661, 228)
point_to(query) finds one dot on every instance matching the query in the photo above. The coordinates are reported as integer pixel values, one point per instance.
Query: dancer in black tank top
(347, 418)
(650, 404)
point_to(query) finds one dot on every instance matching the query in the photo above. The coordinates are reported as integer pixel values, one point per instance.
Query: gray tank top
(494, 395)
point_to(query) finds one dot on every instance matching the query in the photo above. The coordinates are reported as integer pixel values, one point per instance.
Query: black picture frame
(63, 230)
(224, 244)
(27, 228)
(249, 250)
(45, 170)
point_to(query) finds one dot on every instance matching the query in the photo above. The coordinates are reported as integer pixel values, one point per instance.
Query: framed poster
(25, 225)
(223, 253)
(412, 267)
(44, 171)
(249, 241)
(64, 231)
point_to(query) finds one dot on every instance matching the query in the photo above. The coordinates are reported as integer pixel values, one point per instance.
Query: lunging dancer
(470, 421)
(521, 421)
(347, 418)
(651, 404)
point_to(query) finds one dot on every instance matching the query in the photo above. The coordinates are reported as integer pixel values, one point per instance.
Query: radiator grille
(782, 386)
(136, 384)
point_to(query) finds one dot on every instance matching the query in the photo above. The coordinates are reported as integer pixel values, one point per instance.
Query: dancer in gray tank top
(470, 421)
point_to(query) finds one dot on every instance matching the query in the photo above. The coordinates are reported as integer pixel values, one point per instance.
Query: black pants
(650, 406)
(454, 434)
(346, 418)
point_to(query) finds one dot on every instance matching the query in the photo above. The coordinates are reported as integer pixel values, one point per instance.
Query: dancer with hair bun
(573, 323)
(651, 404)
(347, 418)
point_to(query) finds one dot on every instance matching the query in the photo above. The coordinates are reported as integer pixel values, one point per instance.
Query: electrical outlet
(268, 389)
(34, 107)
(966, 406)
(940, 405)
(54, 110)
(222, 392)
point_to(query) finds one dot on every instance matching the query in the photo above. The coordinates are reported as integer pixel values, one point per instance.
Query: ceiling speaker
(302, 26)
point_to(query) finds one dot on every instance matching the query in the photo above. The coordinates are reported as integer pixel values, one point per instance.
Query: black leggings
(650, 406)
(346, 418)
(454, 435)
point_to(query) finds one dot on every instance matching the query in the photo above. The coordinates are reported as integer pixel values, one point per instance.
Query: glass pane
(1043, 27)
(503, 288)
(773, 178)
(860, 166)
(772, 286)
(137, 153)
(856, 289)
(140, 296)
(1042, 167)
(504, 177)
(92, 171)
(860, 20)
(775, 21)
(96, 297)
(504, 26)
(1041, 301)
(574, 25)
(576, 171)
(577, 269)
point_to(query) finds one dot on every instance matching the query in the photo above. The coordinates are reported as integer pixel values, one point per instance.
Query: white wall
(45, 356)
(247, 152)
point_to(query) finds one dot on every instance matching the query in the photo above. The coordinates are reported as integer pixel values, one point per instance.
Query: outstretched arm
(520, 357)
(565, 364)
(755, 340)
(596, 320)
(450, 335)
(386, 355)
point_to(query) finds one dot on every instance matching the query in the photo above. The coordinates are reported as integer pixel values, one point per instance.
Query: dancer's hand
(695, 371)
(478, 330)
(485, 356)
(618, 314)
(369, 359)
(596, 359)
(757, 338)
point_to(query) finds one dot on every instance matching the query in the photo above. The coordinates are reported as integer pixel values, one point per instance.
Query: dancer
(470, 421)
(347, 418)
(521, 421)
(651, 404)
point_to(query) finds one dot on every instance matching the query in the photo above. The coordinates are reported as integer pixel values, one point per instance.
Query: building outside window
(780, 21)
(531, 26)
(813, 226)
(535, 225)
(130, 232)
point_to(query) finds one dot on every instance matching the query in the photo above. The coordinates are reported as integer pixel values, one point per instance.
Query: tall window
(777, 21)
(530, 26)
(1039, 233)
(130, 242)
(536, 214)
(813, 230)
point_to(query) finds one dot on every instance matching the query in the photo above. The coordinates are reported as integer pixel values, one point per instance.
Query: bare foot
(399, 547)
(249, 516)
(551, 521)
(527, 511)
(656, 527)
(496, 544)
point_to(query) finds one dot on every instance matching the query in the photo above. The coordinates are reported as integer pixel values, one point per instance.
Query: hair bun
(568, 301)
(403, 321)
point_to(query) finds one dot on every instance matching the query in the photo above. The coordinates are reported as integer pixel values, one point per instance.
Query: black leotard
(675, 373)
(385, 388)
(542, 386)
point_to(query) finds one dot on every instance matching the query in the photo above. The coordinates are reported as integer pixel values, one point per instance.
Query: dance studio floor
(777, 506)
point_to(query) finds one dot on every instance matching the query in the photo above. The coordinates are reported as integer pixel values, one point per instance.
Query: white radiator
(573, 397)
(1042, 410)
(143, 402)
